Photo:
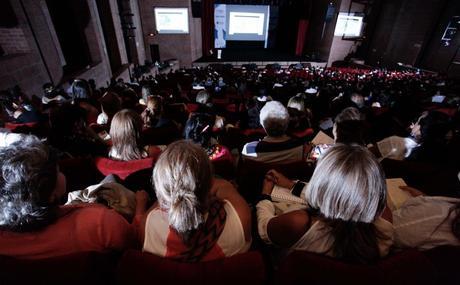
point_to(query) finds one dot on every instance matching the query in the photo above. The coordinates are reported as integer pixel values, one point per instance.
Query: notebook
(280, 194)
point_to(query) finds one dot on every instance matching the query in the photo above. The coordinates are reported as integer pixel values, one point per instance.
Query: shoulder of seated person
(298, 225)
(249, 144)
(86, 208)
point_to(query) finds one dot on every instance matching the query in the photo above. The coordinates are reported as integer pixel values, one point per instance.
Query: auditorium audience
(345, 217)
(197, 218)
(110, 105)
(430, 133)
(127, 143)
(82, 95)
(346, 197)
(69, 133)
(299, 114)
(152, 114)
(426, 142)
(254, 107)
(33, 225)
(199, 130)
(425, 222)
(349, 127)
(277, 146)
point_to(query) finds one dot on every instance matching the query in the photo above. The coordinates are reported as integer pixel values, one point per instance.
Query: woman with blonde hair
(346, 197)
(197, 218)
(127, 144)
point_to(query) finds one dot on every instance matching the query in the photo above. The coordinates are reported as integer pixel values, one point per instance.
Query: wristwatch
(297, 188)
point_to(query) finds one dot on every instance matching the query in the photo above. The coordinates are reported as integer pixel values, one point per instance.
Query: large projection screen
(348, 25)
(240, 23)
(247, 22)
(171, 20)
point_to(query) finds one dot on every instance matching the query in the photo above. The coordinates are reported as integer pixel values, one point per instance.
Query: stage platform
(260, 57)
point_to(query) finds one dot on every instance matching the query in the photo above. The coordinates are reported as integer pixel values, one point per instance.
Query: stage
(260, 57)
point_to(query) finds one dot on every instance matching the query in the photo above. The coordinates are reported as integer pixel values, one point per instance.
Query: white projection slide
(348, 25)
(171, 20)
(246, 23)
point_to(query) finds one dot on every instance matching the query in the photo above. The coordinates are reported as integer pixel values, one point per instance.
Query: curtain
(301, 36)
(207, 26)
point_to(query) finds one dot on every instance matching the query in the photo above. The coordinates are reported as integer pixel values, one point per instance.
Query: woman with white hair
(346, 197)
(277, 146)
(197, 218)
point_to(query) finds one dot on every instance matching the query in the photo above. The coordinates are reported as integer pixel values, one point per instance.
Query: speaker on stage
(196, 8)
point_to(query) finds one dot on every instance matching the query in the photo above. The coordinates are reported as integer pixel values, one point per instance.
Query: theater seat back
(250, 175)
(405, 268)
(78, 268)
(141, 268)
(123, 168)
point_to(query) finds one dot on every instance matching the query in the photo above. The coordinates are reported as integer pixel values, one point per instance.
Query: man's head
(274, 117)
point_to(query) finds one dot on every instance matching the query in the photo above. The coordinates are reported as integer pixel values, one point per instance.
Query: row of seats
(136, 175)
(437, 266)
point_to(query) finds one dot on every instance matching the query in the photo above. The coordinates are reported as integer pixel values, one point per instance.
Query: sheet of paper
(322, 138)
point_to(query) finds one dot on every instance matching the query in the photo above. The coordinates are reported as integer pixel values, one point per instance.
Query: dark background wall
(410, 32)
(184, 47)
(320, 29)
(436, 56)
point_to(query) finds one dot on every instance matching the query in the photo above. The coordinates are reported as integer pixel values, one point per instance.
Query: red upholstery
(122, 168)
(140, 268)
(254, 132)
(303, 134)
(13, 126)
(80, 268)
(192, 107)
(448, 111)
(405, 268)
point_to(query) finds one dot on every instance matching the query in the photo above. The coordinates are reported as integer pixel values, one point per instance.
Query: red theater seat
(303, 134)
(141, 268)
(79, 268)
(123, 168)
(254, 132)
(14, 126)
(192, 107)
(405, 268)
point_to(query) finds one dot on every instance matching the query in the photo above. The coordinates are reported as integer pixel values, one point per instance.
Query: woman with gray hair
(197, 218)
(346, 197)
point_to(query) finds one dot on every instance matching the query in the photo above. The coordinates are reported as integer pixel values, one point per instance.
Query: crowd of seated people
(189, 120)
